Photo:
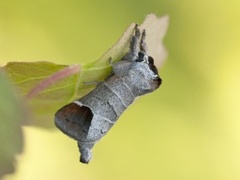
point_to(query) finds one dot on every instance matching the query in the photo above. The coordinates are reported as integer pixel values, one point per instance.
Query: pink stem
(59, 75)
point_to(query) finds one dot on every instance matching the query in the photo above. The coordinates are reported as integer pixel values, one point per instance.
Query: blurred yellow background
(189, 129)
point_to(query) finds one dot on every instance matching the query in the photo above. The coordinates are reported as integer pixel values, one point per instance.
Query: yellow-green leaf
(12, 114)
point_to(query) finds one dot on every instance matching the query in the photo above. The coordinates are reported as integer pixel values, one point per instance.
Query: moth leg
(111, 62)
(135, 42)
(143, 44)
(134, 46)
(86, 152)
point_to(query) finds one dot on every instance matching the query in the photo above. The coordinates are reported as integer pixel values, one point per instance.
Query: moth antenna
(143, 44)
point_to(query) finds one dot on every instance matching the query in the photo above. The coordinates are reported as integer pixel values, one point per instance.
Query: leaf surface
(12, 115)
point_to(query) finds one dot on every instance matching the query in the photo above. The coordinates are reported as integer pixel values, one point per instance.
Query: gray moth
(89, 118)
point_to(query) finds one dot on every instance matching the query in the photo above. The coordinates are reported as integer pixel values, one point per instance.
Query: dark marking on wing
(74, 120)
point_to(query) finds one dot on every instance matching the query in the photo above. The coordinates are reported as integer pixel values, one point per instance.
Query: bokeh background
(189, 129)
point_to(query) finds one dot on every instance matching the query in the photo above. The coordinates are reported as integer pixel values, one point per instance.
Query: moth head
(144, 74)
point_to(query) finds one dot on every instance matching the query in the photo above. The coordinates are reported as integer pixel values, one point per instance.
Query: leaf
(27, 76)
(11, 136)
(156, 29)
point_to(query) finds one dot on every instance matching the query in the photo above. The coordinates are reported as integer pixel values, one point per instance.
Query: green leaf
(11, 116)
(28, 75)
(52, 93)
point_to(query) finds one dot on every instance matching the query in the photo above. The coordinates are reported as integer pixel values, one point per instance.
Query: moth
(89, 118)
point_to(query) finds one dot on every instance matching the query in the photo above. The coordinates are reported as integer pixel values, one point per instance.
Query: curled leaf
(156, 29)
